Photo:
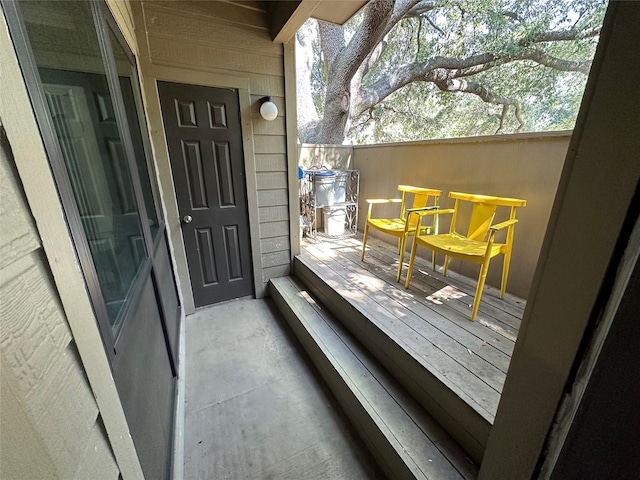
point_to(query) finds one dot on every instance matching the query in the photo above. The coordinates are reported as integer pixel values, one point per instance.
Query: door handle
(187, 219)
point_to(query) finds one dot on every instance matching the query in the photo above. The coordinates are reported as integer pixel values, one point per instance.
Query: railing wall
(523, 166)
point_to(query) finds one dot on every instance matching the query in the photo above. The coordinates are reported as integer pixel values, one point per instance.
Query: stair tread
(453, 372)
(422, 444)
(442, 379)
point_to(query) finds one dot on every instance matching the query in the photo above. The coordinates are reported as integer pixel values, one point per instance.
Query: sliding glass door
(83, 83)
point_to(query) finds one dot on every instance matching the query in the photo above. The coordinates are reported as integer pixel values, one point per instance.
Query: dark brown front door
(202, 125)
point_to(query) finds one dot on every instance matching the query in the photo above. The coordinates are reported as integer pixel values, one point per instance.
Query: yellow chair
(478, 245)
(424, 199)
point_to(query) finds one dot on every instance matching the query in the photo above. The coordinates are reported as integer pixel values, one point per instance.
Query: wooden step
(407, 441)
(455, 385)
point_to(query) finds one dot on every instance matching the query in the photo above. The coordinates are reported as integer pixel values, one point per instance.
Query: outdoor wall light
(268, 109)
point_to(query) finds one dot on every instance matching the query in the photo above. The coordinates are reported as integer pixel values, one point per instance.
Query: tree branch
(445, 68)
(565, 35)
(486, 95)
(331, 40)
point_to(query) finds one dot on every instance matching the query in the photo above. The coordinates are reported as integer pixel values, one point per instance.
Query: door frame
(168, 74)
(150, 75)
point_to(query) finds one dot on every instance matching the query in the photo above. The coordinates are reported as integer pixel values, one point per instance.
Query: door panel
(202, 125)
(146, 384)
(82, 111)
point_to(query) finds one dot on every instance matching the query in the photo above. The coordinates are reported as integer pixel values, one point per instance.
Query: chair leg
(414, 247)
(403, 246)
(446, 264)
(433, 260)
(364, 241)
(505, 273)
(480, 287)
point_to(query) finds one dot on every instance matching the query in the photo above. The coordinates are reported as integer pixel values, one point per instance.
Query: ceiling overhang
(287, 17)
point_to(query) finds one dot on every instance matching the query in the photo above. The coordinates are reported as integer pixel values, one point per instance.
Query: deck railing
(523, 166)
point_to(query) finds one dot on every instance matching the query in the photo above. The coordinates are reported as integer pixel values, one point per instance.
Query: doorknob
(187, 219)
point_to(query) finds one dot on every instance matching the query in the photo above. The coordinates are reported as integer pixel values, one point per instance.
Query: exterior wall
(50, 422)
(121, 11)
(524, 166)
(61, 415)
(337, 157)
(223, 45)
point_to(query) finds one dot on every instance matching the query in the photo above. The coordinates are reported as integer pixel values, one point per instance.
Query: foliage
(537, 55)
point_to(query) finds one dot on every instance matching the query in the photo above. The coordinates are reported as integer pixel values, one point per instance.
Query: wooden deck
(431, 317)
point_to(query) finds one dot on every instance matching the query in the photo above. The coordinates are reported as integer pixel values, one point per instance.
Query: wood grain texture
(273, 214)
(97, 461)
(271, 163)
(275, 272)
(271, 198)
(160, 20)
(273, 127)
(266, 85)
(228, 12)
(23, 452)
(270, 144)
(276, 244)
(276, 259)
(168, 50)
(274, 229)
(271, 180)
(18, 236)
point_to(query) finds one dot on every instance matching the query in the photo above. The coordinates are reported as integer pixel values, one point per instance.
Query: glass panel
(67, 52)
(129, 82)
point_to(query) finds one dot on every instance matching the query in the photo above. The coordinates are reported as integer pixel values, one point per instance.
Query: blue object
(300, 173)
(324, 173)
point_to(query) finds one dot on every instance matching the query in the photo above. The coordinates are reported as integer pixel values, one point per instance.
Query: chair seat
(389, 225)
(460, 246)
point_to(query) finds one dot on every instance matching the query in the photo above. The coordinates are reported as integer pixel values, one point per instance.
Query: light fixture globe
(268, 109)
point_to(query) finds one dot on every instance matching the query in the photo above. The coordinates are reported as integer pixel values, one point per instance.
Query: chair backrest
(482, 213)
(421, 198)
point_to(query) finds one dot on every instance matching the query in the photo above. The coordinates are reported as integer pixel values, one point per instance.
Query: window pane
(129, 82)
(77, 94)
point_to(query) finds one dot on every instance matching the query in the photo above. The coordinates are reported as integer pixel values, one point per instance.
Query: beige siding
(224, 44)
(47, 402)
(121, 11)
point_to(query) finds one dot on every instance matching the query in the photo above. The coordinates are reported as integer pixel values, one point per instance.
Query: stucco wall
(524, 166)
(337, 157)
(50, 423)
(224, 45)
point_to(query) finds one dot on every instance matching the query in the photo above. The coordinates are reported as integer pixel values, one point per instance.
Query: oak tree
(410, 69)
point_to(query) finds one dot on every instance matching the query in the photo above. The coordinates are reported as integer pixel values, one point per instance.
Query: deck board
(425, 447)
(431, 318)
(505, 312)
(437, 359)
(442, 303)
(437, 329)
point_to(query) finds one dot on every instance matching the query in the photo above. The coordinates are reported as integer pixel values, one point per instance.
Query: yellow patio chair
(424, 199)
(478, 245)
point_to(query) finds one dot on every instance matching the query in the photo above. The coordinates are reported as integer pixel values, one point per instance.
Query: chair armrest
(419, 209)
(430, 211)
(374, 201)
(500, 226)
(383, 200)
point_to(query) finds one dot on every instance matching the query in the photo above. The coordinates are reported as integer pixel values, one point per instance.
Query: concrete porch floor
(255, 406)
